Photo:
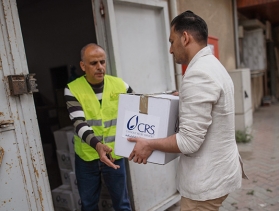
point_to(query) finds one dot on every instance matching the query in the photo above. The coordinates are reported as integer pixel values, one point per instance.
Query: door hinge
(6, 123)
(22, 84)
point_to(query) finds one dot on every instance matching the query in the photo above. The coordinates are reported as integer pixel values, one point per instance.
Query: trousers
(89, 181)
(209, 205)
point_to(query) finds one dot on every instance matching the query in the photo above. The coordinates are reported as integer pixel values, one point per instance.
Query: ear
(185, 38)
(82, 65)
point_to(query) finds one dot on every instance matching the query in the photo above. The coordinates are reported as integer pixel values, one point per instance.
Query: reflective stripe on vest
(110, 123)
(109, 139)
(92, 122)
(102, 119)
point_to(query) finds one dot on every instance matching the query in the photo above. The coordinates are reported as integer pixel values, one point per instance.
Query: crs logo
(133, 123)
(66, 176)
(58, 198)
(61, 200)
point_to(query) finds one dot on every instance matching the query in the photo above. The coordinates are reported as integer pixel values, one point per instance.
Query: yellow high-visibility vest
(100, 117)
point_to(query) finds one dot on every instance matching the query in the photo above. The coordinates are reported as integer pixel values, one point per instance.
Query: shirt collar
(203, 52)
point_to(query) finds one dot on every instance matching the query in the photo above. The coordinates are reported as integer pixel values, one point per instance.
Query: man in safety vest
(92, 102)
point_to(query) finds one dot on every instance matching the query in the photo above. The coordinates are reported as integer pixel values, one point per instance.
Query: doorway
(54, 31)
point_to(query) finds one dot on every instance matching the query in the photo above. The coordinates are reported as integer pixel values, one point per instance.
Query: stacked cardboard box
(105, 202)
(64, 199)
(66, 196)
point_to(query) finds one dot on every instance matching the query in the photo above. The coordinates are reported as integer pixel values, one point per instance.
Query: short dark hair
(84, 48)
(193, 24)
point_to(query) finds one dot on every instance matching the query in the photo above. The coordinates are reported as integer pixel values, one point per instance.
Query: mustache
(100, 71)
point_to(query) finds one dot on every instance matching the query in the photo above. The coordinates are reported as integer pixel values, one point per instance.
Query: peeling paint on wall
(1, 155)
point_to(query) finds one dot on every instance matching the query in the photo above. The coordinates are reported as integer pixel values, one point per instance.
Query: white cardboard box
(63, 137)
(73, 182)
(65, 187)
(105, 204)
(63, 198)
(77, 201)
(65, 176)
(104, 191)
(152, 116)
(71, 143)
(64, 161)
(72, 158)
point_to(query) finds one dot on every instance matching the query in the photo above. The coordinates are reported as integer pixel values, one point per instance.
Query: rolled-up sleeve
(197, 95)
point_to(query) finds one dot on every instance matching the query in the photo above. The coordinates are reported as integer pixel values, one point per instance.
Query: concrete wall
(218, 15)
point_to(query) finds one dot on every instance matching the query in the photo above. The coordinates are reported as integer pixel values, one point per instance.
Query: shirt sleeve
(128, 88)
(77, 116)
(197, 96)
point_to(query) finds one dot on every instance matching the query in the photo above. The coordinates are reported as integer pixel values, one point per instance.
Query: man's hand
(175, 93)
(105, 156)
(141, 151)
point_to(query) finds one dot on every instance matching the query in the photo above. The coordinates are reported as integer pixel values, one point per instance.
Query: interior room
(54, 31)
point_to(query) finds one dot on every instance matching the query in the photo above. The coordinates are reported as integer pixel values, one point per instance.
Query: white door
(24, 182)
(135, 34)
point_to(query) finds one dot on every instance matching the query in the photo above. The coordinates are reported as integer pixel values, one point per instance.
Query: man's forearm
(168, 144)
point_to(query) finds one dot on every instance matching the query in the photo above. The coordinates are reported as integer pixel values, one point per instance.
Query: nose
(99, 65)
(171, 52)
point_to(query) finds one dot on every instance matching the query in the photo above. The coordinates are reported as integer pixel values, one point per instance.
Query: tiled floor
(261, 163)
